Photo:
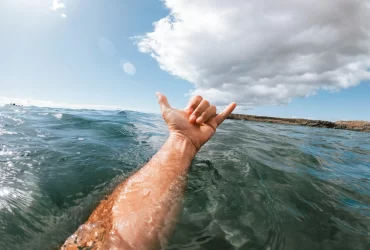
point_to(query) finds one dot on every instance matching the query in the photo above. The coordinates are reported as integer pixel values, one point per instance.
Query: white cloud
(263, 52)
(56, 5)
(129, 68)
(63, 15)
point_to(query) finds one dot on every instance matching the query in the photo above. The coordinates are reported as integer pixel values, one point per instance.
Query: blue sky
(47, 57)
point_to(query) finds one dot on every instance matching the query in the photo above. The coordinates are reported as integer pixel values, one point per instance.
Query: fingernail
(200, 120)
(193, 118)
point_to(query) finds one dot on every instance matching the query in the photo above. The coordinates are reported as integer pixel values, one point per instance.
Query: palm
(178, 122)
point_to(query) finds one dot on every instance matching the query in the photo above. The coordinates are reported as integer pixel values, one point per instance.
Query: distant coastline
(362, 126)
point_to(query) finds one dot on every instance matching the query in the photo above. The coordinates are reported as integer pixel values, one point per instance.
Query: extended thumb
(162, 100)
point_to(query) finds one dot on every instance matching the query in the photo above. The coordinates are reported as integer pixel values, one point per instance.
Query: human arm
(141, 212)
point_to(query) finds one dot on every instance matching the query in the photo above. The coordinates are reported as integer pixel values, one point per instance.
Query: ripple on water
(253, 186)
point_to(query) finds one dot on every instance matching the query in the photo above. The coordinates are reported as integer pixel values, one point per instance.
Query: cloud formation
(63, 15)
(263, 52)
(129, 68)
(56, 5)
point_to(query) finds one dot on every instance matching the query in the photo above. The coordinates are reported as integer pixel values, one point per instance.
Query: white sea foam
(4, 191)
(14, 119)
(5, 132)
(58, 116)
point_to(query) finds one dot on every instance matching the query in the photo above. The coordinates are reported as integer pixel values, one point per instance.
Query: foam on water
(58, 116)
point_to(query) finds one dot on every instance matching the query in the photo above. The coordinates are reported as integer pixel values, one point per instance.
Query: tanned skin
(142, 211)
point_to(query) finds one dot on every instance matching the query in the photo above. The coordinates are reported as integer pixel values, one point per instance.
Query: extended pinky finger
(224, 114)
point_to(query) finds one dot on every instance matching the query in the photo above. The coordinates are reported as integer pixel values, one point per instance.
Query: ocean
(252, 186)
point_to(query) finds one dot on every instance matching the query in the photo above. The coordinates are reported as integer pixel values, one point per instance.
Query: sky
(306, 58)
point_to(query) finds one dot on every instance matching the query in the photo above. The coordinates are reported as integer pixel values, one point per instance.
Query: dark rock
(362, 126)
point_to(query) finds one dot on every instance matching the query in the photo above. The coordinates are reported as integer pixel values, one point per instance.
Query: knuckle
(195, 101)
(213, 111)
(198, 97)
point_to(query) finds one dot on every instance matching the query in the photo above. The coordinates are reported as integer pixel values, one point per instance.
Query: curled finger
(204, 104)
(209, 113)
(193, 104)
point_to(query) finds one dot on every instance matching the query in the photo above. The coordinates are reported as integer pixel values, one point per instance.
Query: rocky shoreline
(361, 126)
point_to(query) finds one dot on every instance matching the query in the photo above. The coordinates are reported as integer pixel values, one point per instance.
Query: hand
(196, 123)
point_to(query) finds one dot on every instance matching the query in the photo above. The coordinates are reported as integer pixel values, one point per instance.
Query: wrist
(183, 144)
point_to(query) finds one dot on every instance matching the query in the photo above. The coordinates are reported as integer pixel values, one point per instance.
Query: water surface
(253, 186)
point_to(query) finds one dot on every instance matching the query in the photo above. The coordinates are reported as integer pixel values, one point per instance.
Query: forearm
(141, 212)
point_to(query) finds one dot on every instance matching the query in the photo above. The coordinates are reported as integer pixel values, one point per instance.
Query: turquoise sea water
(253, 186)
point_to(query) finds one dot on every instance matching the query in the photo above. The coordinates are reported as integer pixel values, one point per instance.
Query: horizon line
(30, 102)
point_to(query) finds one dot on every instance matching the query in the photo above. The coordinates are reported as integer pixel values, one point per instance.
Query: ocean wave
(253, 186)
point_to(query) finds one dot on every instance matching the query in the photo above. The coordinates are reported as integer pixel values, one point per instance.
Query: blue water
(253, 186)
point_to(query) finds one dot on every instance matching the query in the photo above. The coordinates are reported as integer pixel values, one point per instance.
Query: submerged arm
(142, 211)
